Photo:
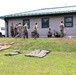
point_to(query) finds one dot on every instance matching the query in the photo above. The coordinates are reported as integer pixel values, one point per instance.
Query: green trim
(53, 14)
(71, 22)
(42, 24)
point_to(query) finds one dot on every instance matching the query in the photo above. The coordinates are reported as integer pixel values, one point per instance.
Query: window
(26, 21)
(68, 21)
(45, 22)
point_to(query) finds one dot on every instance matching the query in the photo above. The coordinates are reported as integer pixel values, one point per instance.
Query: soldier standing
(25, 31)
(12, 30)
(35, 30)
(62, 28)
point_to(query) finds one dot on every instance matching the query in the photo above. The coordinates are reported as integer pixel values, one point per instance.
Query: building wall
(54, 23)
(71, 31)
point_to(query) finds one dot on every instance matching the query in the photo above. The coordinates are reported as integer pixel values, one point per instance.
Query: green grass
(61, 60)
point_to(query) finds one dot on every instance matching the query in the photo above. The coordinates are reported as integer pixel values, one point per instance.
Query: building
(46, 18)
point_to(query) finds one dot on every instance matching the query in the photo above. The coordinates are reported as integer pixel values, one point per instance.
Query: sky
(16, 6)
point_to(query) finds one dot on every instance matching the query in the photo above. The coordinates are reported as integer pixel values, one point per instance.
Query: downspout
(6, 28)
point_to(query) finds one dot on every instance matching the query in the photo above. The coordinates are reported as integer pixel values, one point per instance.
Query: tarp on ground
(15, 52)
(4, 46)
(38, 53)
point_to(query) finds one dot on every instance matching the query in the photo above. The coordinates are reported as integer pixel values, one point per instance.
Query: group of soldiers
(56, 33)
(19, 30)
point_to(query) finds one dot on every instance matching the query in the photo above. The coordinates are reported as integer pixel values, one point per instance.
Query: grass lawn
(61, 60)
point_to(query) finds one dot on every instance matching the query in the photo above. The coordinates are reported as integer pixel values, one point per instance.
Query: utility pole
(65, 3)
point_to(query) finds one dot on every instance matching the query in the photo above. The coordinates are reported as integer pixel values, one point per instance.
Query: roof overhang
(36, 15)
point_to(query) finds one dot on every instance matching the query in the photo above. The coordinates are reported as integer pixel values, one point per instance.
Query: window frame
(43, 23)
(68, 21)
(25, 22)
